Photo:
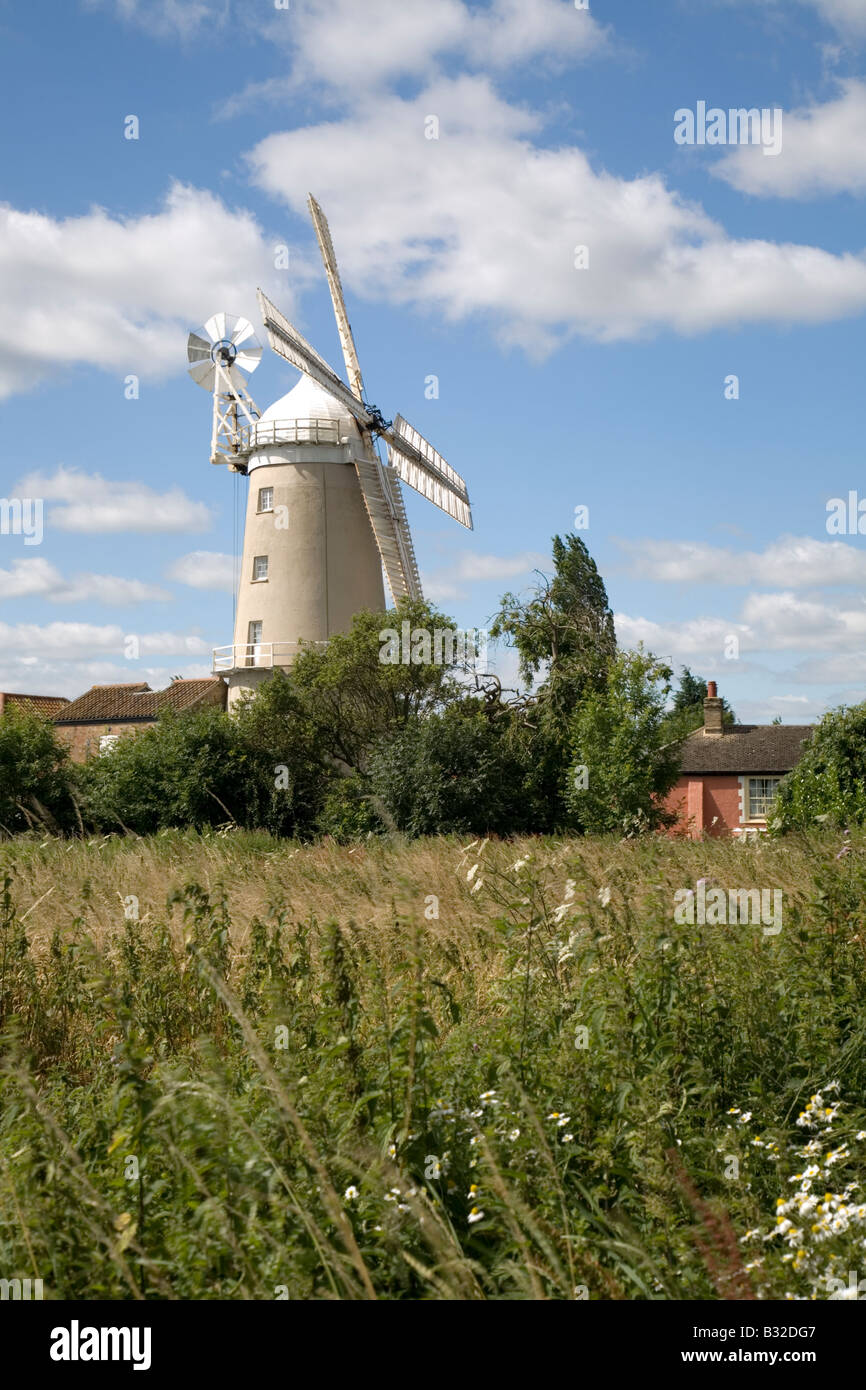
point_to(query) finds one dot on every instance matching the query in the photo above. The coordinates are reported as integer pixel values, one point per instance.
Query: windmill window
(266, 499)
(260, 568)
(255, 632)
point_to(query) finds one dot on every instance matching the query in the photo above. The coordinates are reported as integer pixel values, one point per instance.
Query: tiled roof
(746, 748)
(46, 705)
(130, 703)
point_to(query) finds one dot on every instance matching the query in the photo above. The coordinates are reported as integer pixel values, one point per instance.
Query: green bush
(36, 776)
(189, 769)
(463, 771)
(829, 783)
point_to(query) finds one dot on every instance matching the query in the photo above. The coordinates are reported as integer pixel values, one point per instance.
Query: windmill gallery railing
(264, 656)
(319, 431)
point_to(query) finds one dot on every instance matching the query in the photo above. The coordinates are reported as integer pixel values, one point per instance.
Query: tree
(325, 719)
(565, 629)
(622, 763)
(35, 774)
(828, 785)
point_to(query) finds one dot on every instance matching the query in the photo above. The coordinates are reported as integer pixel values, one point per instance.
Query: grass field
(241, 1068)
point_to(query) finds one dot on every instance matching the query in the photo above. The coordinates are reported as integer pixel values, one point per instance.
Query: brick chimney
(713, 706)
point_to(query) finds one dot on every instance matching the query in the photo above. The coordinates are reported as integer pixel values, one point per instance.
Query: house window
(260, 567)
(761, 792)
(266, 499)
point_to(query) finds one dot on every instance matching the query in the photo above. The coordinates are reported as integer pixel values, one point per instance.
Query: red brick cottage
(729, 773)
(92, 723)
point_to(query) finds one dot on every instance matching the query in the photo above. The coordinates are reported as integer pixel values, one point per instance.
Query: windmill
(325, 514)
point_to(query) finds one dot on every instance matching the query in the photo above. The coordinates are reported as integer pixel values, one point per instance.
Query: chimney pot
(712, 690)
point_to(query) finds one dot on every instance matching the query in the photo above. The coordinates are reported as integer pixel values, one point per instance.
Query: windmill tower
(325, 514)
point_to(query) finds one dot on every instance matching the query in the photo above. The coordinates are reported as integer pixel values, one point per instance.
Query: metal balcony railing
(266, 432)
(264, 656)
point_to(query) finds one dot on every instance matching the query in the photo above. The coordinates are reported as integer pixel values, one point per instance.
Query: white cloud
(80, 641)
(91, 503)
(347, 49)
(72, 677)
(794, 561)
(38, 579)
(204, 569)
(691, 638)
(843, 670)
(791, 709)
(485, 221)
(385, 39)
(847, 16)
(775, 622)
(469, 568)
(784, 622)
(169, 18)
(823, 151)
(123, 293)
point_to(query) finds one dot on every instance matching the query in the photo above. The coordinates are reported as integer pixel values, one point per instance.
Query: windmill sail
(344, 328)
(424, 469)
(285, 339)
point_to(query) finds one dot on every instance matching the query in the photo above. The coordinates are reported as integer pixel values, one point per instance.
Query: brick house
(729, 773)
(93, 722)
(45, 705)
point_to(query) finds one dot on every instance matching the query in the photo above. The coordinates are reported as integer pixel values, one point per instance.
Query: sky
(665, 333)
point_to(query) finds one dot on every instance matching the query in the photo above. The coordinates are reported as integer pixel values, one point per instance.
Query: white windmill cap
(308, 401)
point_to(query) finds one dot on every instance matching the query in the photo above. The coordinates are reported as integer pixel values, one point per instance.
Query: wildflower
(567, 1138)
(836, 1155)
(351, 1193)
(475, 1215)
(562, 1121)
(487, 1095)
(392, 1150)
(744, 1119)
(515, 1134)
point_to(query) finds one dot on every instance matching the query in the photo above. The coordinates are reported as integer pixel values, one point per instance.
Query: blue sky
(559, 387)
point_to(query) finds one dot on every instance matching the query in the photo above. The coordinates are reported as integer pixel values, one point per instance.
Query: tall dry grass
(242, 1068)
